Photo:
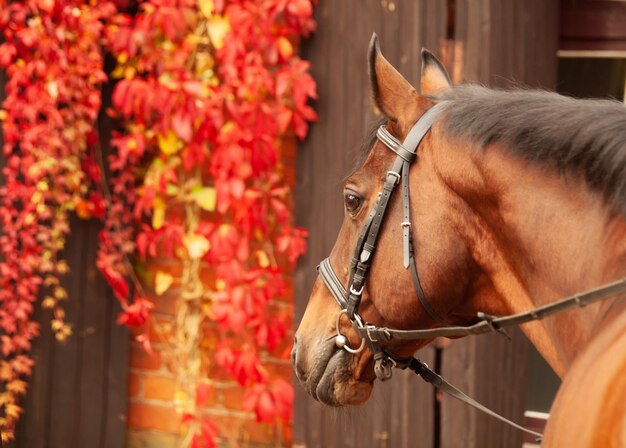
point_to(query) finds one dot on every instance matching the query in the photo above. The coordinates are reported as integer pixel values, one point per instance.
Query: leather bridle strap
(422, 370)
(490, 323)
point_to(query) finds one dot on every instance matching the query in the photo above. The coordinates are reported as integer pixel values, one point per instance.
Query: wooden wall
(486, 41)
(77, 396)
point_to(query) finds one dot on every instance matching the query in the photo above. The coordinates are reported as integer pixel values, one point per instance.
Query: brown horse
(518, 198)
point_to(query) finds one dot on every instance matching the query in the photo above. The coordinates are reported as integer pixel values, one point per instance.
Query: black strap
(422, 369)
(420, 293)
(491, 324)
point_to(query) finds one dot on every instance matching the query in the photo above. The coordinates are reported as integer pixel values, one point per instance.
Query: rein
(349, 299)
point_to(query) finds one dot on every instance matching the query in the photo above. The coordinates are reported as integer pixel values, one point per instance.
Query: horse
(517, 198)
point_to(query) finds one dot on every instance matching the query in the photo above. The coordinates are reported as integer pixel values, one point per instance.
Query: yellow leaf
(129, 72)
(162, 282)
(29, 219)
(36, 198)
(169, 144)
(6, 372)
(262, 258)
(60, 293)
(63, 268)
(158, 214)
(48, 302)
(205, 197)
(196, 245)
(217, 28)
(284, 47)
(12, 410)
(17, 386)
(206, 7)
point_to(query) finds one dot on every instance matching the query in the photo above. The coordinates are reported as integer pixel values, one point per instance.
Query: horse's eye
(353, 202)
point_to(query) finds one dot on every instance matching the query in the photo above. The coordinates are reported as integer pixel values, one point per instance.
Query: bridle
(349, 299)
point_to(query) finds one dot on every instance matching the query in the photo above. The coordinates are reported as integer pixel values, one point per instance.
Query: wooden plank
(339, 64)
(32, 429)
(66, 368)
(411, 414)
(493, 371)
(117, 349)
(115, 338)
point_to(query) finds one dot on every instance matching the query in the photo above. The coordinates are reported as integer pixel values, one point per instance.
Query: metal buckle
(368, 328)
(405, 224)
(394, 174)
(355, 292)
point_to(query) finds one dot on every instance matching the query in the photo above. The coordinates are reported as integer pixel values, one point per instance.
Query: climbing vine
(51, 54)
(206, 91)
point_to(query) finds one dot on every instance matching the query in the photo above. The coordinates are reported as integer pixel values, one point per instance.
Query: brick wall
(152, 418)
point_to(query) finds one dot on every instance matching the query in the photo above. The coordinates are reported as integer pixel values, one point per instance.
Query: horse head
(390, 296)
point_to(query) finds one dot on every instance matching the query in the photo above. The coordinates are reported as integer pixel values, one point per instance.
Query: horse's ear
(435, 79)
(393, 94)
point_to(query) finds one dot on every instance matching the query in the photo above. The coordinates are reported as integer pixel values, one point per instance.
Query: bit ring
(341, 341)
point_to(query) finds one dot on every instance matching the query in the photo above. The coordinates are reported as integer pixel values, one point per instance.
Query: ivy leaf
(206, 8)
(217, 28)
(169, 144)
(158, 214)
(205, 197)
(162, 282)
(181, 123)
(197, 245)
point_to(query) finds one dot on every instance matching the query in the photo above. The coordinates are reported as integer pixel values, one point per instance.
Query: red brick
(243, 430)
(159, 388)
(216, 372)
(232, 397)
(145, 416)
(134, 385)
(260, 432)
(168, 302)
(282, 370)
(287, 147)
(140, 359)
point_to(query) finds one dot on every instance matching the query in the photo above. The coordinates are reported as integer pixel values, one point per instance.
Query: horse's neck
(538, 237)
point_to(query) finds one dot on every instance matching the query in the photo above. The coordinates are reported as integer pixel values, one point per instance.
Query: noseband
(350, 299)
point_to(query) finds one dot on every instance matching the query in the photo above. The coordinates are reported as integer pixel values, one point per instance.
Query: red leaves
(117, 282)
(197, 177)
(53, 63)
(243, 365)
(136, 314)
(181, 125)
(292, 242)
(270, 402)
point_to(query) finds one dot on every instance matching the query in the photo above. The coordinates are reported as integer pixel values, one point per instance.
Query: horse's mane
(584, 137)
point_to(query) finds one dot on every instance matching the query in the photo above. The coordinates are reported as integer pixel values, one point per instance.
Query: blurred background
(101, 388)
